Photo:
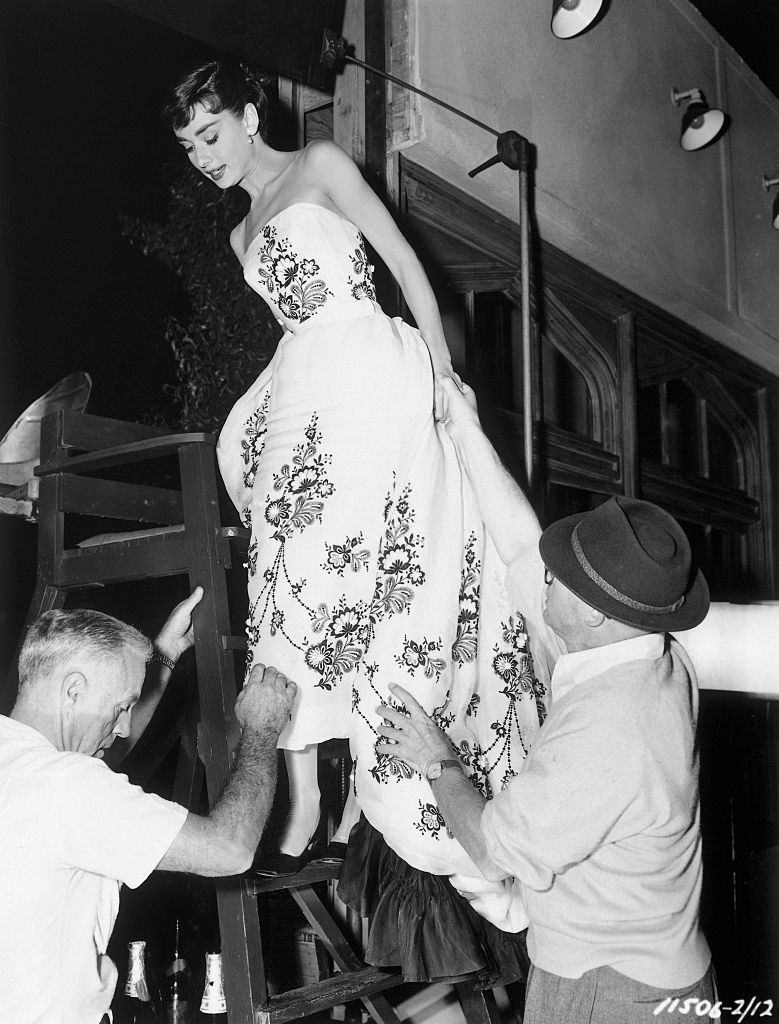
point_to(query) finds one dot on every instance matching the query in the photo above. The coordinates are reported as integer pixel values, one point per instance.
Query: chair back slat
(113, 499)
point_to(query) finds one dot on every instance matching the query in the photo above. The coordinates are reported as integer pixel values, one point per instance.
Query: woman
(368, 560)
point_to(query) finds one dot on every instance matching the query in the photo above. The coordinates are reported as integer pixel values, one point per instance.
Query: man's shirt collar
(575, 668)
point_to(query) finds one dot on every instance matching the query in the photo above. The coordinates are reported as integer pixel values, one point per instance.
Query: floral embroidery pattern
(301, 487)
(339, 556)
(513, 665)
(349, 629)
(431, 821)
(418, 655)
(252, 445)
(362, 282)
(293, 281)
(472, 758)
(387, 766)
(464, 648)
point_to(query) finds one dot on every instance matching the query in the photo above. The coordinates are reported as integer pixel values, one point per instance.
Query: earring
(251, 140)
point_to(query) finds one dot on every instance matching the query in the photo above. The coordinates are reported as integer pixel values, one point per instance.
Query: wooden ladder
(81, 457)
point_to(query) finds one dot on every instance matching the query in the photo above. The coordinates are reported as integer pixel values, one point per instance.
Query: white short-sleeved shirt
(71, 830)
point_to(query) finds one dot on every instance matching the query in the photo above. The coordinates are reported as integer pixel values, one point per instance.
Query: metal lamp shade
(700, 125)
(570, 17)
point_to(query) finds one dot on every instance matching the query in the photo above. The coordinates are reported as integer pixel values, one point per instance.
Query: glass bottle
(177, 988)
(139, 1002)
(213, 1008)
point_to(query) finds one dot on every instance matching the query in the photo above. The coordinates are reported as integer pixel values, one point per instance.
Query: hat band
(599, 581)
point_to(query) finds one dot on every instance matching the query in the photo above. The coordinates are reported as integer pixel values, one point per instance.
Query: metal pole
(527, 355)
(514, 152)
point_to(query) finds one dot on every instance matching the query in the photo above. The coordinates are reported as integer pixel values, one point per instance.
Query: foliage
(229, 334)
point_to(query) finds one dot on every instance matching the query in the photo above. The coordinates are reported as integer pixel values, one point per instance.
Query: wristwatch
(162, 659)
(434, 769)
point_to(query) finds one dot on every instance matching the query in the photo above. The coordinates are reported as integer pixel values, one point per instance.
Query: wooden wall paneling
(768, 428)
(627, 377)
(698, 500)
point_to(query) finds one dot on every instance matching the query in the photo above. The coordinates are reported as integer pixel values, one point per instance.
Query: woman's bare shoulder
(323, 155)
(237, 238)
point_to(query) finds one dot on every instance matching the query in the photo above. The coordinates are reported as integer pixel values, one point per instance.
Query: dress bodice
(310, 265)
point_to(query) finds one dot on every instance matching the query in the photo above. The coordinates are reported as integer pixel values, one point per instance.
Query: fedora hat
(632, 561)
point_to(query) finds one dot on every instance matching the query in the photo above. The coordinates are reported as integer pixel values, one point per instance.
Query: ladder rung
(239, 534)
(122, 454)
(341, 988)
(308, 875)
(164, 554)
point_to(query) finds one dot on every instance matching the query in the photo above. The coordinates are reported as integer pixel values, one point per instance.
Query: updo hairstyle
(218, 85)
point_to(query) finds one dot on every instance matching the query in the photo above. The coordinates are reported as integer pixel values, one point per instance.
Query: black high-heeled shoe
(333, 853)
(274, 863)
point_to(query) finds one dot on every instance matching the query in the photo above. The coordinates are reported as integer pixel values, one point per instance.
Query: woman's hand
(442, 373)
(458, 406)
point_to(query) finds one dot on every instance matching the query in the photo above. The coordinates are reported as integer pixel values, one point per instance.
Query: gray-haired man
(73, 830)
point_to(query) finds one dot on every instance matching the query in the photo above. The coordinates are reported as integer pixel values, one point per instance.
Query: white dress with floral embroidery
(368, 562)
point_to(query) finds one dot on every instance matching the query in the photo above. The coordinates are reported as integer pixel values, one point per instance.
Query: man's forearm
(506, 511)
(462, 806)
(243, 808)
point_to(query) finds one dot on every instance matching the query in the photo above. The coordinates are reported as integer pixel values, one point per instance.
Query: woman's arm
(343, 184)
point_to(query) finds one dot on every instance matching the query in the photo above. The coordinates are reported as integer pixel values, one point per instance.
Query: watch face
(434, 770)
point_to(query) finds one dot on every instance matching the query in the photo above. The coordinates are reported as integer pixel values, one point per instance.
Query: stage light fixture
(572, 17)
(768, 184)
(701, 124)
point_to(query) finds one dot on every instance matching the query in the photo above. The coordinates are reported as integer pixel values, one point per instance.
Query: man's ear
(593, 618)
(74, 688)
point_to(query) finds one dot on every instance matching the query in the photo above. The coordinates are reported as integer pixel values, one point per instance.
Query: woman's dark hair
(218, 85)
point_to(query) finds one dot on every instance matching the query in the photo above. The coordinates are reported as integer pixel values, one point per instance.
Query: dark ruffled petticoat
(419, 922)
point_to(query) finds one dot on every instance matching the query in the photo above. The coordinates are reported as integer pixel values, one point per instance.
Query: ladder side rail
(208, 552)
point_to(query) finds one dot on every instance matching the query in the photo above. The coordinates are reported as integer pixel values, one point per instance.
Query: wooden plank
(318, 916)
(308, 875)
(341, 988)
(154, 557)
(234, 643)
(15, 507)
(476, 1009)
(89, 433)
(123, 454)
(112, 499)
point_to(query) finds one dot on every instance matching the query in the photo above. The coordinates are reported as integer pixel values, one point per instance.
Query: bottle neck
(136, 984)
(213, 994)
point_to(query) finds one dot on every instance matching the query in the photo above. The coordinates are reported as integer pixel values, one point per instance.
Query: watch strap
(162, 659)
(444, 762)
